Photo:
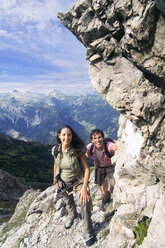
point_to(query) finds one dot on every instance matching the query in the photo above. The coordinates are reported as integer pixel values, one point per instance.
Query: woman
(69, 176)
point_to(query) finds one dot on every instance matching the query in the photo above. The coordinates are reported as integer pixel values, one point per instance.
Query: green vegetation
(29, 160)
(16, 223)
(92, 168)
(87, 126)
(105, 233)
(9, 210)
(26, 235)
(8, 206)
(4, 219)
(92, 111)
(18, 219)
(93, 196)
(141, 230)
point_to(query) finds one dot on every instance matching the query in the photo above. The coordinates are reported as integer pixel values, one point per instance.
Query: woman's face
(65, 137)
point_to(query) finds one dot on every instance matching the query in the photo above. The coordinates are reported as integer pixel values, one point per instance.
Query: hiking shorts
(103, 173)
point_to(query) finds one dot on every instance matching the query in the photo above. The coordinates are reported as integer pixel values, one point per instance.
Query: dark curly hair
(77, 144)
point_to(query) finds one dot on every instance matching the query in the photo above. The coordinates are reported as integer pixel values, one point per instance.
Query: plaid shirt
(105, 160)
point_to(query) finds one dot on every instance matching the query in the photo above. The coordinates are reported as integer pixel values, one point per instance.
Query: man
(101, 150)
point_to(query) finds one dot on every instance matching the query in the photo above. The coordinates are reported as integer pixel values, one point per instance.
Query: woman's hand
(57, 185)
(83, 195)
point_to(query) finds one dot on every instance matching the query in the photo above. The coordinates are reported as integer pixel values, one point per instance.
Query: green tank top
(67, 174)
(73, 162)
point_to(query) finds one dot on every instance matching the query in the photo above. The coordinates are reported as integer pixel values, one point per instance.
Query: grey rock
(11, 188)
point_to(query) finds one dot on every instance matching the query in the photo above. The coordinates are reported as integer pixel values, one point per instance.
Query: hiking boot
(105, 202)
(89, 239)
(68, 224)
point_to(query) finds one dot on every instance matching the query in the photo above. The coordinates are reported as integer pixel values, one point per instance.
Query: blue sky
(37, 53)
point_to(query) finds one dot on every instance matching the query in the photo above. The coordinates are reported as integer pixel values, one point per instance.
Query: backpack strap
(55, 151)
(91, 149)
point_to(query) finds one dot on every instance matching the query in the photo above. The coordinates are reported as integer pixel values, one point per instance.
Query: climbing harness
(68, 188)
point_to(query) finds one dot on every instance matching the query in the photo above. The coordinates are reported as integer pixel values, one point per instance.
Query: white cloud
(69, 60)
(31, 28)
(32, 22)
(40, 11)
(65, 86)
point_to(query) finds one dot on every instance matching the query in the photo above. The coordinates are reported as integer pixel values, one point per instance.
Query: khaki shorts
(103, 173)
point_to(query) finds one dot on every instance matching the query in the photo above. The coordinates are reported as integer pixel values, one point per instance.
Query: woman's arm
(54, 176)
(83, 192)
(54, 170)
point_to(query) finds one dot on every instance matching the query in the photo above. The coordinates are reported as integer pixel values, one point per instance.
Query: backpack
(105, 144)
(55, 151)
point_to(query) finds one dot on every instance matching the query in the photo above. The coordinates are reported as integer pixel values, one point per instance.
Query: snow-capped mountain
(36, 117)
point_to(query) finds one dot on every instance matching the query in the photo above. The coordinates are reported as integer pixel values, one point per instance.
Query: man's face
(98, 141)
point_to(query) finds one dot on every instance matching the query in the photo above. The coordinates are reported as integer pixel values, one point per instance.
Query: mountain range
(36, 117)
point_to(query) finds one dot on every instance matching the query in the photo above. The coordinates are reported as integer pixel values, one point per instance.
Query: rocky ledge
(39, 221)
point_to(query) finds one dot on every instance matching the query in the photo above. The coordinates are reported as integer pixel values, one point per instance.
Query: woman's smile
(65, 137)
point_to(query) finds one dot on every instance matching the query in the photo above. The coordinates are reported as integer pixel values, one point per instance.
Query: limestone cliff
(124, 43)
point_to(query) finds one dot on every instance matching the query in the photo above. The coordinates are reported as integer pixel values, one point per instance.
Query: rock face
(39, 221)
(125, 47)
(11, 188)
